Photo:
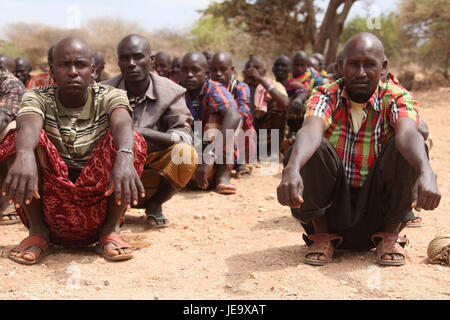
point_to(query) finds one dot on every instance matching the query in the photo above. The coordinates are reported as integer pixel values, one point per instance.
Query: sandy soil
(243, 246)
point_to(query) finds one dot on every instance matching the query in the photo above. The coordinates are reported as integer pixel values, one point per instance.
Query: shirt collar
(86, 112)
(374, 100)
(150, 93)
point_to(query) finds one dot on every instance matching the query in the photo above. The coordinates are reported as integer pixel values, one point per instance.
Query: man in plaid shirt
(359, 162)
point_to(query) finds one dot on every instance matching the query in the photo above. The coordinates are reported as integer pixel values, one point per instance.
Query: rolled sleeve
(116, 98)
(319, 105)
(402, 105)
(32, 103)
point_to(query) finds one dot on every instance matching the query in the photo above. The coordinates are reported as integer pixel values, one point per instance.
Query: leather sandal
(118, 242)
(322, 244)
(24, 247)
(389, 243)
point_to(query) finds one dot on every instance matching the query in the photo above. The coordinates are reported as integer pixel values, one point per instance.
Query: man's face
(72, 69)
(259, 67)
(162, 66)
(22, 72)
(221, 71)
(281, 69)
(362, 69)
(299, 66)
(193, 74)
(176, 67)
(135, 61)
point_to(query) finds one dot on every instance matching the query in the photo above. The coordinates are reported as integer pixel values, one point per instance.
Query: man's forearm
(410, 143)
(280, 99)
(152, 136)
(4, 121)
(122, 129)
(307, 141)
(28, 131)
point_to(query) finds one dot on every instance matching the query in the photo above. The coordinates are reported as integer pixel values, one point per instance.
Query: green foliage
(210, 33)
(388, 33)
(425, 25)
(12, 50)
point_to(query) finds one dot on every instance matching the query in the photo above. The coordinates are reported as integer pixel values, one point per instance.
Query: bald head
(23, 69)
(281, 68)
(221, 68)
(194, 67)
(72, 69)
(300, 63)
(195, 56)
(135, 60)
(69, 46)
(362, 63)
(7, 63)
(364, 42)
(162, 63)
(223, 57)
(134, 40)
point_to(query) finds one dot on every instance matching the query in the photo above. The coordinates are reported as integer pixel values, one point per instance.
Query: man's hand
(253, 75)
(21, 182)
(297, 107)
(290, 190)
(426, 194)
(201, 175)
(124, 181)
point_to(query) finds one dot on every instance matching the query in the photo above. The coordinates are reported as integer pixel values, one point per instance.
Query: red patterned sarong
(74, 213)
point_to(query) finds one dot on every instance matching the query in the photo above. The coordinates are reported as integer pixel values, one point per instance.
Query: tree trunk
(331, 29)
(311, 20)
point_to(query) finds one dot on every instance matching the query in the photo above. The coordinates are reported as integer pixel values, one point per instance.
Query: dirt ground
(243, 246)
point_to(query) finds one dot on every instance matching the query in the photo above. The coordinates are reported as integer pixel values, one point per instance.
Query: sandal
(414, 224)
(25, 245)
(243, 170)
(391, 243)
(225, 188)
(322, 244)
(157, 221)
(117, 240)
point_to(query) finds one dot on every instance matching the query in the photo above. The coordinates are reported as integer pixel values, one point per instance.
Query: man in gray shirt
(160, 114)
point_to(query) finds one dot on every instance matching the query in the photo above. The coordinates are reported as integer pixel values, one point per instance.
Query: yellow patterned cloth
(177, 164)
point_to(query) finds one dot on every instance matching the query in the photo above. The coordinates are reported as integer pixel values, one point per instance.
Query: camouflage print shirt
(11, 92)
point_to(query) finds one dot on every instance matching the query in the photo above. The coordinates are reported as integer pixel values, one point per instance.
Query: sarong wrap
(74, 213)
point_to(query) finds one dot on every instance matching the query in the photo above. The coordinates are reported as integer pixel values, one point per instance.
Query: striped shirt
(213, 98)
(308, 80)
(241, 94)
(359, 150)
(73, 133)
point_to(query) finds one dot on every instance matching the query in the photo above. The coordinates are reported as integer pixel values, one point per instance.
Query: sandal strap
(322, 244)
(391, 237)
(325, 237)
(113, 238)
(32, 241)
(390, 243)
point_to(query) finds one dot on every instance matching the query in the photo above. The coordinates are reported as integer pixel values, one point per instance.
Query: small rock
(156, 297)
(197, 216)
(262, 210)
(106, 283)
(272, 289)
(253, 275)
(98, 288)
(204, 217)
(270, 197)
(229, 286)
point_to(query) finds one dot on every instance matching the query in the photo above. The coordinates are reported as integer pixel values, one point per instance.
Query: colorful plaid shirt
(308, 80)
(11, 92)
(241, 94)
(213, 98)
(359, 151)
